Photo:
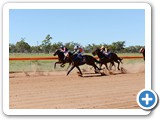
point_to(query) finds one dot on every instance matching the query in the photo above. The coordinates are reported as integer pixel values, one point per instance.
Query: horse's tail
(117, 58)
(120, 60)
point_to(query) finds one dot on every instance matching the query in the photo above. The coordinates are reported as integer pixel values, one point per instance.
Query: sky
(85, 26)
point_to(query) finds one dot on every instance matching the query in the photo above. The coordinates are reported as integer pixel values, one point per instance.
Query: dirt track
(57, 91)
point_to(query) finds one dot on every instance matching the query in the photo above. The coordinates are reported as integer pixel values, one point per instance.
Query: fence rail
(56, 58)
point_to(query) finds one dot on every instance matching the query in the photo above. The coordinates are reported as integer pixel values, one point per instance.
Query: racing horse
(61, 59)
(86, 59)
(142, 50)
(112, 57)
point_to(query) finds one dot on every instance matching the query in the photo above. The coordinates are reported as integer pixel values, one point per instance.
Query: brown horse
(112, 57)
(142, 50)
(61, 59)
(87, 59)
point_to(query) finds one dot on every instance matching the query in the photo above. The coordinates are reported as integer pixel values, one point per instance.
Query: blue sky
(84, 26)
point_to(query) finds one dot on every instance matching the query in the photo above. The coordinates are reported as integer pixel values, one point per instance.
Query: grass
(129, 54)
(50, 55)
(30, 55)
(48, 65)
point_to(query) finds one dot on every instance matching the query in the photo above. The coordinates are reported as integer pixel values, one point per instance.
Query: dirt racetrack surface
(55, 90)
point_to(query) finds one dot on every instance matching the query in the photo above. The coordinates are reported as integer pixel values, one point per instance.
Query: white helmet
(76, 47)
(102, 47)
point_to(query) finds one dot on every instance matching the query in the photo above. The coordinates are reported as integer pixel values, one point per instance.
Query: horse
(112, 57)
(61, 59)
(86, 59)
(142, 50)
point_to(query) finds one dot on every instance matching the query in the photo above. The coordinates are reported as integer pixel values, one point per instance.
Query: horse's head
(96, 52)
(56, 52)
(141, 50)
(68, 54)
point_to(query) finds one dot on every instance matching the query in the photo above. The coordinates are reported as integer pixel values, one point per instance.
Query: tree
(111, 48)
(46, 44)
(88, 48)
(12, 48)
(56, 46)
(133, 49)
(91, 47)
(71, 45)
(22, 46)
(118, 46)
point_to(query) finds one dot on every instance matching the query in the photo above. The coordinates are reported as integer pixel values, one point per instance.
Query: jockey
(79, 51)
(64, 50)
(105, 51)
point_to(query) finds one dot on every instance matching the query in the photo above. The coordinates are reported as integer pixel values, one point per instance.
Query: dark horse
(87, 59)
(61, 59)
(112, 57)
(142, 50)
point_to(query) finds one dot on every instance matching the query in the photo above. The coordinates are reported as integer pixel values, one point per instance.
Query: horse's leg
(118, 64)
(68, 66)
(144, 56)
(106, 66)
(114, 67)
(62, 65)
(96, 68)
(79, 70)
(100, 65)
(92, 63)
(70, 70)
(55, 64)
(64, 62)
(111, 65)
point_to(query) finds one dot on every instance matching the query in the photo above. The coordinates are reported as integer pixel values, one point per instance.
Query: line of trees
(46, 47)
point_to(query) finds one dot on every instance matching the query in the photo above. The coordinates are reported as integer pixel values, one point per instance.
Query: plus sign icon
(147, 99)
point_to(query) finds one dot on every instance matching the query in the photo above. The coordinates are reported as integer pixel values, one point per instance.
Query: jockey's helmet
(102, 48)
(76, 47)
(62, 47)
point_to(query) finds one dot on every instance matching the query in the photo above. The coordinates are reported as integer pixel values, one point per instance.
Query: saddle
(108, 55)
(78, 58)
